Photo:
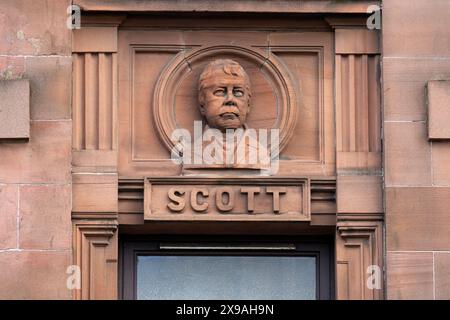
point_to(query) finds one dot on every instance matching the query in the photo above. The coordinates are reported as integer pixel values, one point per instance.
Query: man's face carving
(225, 100)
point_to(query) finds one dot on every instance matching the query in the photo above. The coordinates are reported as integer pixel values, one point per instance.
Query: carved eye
(238, 92)
(219, 92)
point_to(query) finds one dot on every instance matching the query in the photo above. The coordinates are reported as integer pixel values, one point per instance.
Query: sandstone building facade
(357, 207)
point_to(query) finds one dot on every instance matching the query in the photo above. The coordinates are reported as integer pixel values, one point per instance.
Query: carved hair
(227, 66)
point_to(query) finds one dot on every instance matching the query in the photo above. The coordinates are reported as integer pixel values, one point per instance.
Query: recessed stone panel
(14, 109)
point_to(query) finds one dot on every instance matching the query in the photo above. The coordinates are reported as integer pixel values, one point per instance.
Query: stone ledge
(283, 6)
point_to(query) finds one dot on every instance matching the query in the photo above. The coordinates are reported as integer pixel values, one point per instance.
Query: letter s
(178, 202)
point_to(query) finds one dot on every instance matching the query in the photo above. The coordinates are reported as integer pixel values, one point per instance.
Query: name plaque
(227, 199)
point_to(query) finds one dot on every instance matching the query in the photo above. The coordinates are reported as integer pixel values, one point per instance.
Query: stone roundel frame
(173, 74)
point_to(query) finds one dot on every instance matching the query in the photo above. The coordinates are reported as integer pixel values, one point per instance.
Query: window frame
(320, 248)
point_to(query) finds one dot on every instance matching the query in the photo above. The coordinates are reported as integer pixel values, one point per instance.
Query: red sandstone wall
(416, 49)
(35, 180)
(35, 186)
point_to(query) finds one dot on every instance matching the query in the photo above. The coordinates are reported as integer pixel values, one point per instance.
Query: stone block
(51, 86)
(442, 275)
(95, 193)
(404, 86)
(34, 27)
(34, 275)
(95, 39)
(11, 67)
(8, 216)
(357, 41)
(410, 275)
(45, 217)
(417, 218)
(359, 194)
(438, 109)
(44, 159)
(416, 28)
(407, 154)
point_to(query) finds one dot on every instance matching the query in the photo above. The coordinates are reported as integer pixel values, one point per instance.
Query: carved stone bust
(224, 94)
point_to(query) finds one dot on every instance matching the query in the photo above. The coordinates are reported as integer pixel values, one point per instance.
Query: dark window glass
(187, 268)
(226, 277)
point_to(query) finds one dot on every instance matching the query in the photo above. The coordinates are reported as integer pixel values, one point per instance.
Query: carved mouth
(229, 115)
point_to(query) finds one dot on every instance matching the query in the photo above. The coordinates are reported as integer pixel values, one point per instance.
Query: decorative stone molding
(286, 6)
(94, 158)
(438, 98)
(148, 57)
(359, 237)
(94, 100)
(94, 97)
(359, 255)
(358, 113)
(255, 199)
(171, 81)
(358, 234)
(95, 253)
(322, 201)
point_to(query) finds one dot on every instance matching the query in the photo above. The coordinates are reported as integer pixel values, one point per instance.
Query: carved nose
(230, 102)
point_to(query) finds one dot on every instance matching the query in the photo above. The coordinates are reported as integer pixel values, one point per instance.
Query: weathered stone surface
(34, 27)
(14, 109)
(50, 83)
(45, 220)
(44, 159)
(417, 218)
(359, 194)
(404, 85)
(94, 39)
(94, 193)
(442, 277)
(34, 275)
(11, 67)
(407, 154)
(363, 41)
(416, 46)
(416, 28)
(8, 216)
(410, 275)
(439, 109)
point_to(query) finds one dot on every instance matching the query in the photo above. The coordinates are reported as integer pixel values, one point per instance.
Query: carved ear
(202, 110)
